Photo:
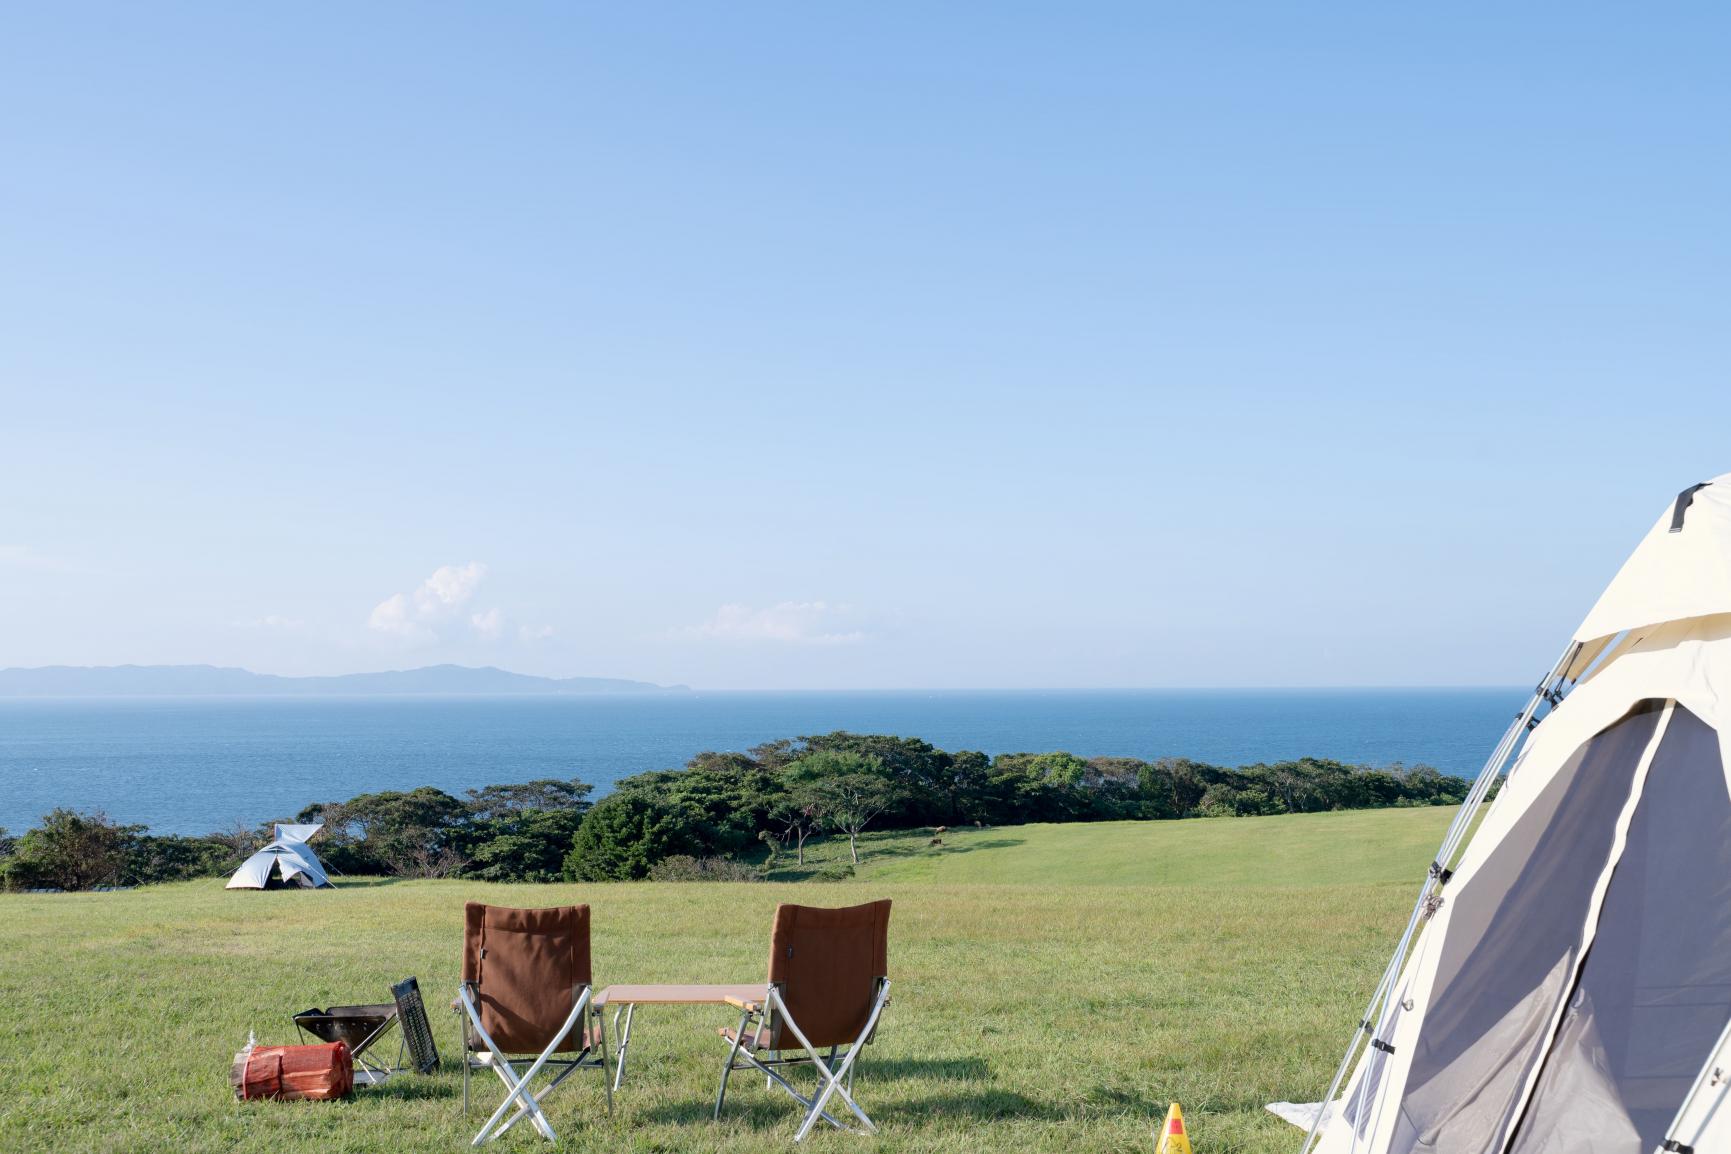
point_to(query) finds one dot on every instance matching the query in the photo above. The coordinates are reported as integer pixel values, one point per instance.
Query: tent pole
(1463, 820)
(1700, 1080)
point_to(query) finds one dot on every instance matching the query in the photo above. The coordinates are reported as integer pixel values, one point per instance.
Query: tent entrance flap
(1511, 948)
(1654, 993)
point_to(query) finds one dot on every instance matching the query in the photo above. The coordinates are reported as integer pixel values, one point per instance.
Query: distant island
(216, 681)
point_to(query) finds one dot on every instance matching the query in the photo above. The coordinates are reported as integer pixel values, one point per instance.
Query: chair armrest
(749, 1005)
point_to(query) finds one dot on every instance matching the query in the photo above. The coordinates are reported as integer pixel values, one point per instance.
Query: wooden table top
(681, 995)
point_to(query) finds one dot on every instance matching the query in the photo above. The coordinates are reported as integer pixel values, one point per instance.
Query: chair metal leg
(538, 1096)
(518, 1092)
(732, 1056)
(463, 1053)
(831, 1080)
(721, 1094)
(528, 1104)
(591, 1057)
(793, 1091)
(583, 1061)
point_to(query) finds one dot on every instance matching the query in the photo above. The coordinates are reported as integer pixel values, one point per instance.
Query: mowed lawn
(1054, 988)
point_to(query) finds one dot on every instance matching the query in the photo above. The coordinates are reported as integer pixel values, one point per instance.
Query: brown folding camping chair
(828, 985)
(526, 991)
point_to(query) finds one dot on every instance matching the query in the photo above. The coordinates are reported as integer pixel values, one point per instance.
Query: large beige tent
(1564, 983)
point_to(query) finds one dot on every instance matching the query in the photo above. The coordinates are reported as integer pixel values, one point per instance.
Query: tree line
(721, 815)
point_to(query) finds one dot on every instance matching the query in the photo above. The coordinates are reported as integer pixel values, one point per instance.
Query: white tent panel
(299, 865)
(253, 873)
(293, 861)
(1672, 576)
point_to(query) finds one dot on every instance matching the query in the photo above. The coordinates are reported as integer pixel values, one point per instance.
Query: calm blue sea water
(192, 765)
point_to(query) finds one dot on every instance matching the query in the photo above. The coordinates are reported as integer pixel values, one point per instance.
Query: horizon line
(656, 688)
(688, 690)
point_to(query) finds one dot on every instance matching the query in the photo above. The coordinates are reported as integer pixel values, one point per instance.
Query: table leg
(624, 1041)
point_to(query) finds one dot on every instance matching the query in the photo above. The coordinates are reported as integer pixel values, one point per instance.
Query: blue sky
(807, 346)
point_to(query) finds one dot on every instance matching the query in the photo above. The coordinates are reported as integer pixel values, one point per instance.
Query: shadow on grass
(362, 883)
(936, 1069)
(893, 852)
(757, 1111)
(759, 1108)
(406, 1086)
(1115, 1100)
(946, 850)
(982, 1105)
(987, 1105)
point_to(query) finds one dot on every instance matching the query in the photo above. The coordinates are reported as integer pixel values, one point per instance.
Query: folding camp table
(626, 999)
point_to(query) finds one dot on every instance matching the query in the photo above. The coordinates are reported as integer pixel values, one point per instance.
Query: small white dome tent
(1564, 983)
(288, 858)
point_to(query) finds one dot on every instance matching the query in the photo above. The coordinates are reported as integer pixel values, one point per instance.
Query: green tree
(544, 793)
(777, 754)
(414, 833)
(922, 774)
(628, 831)
(526, 846)
(1172, 787)
(175, 858)
(239, 841)
(521, 832)
(970, 788)
(1114, 788)
(1038, 787)
(70, 851)
(849, 790)
(797, 817)
(728, 796)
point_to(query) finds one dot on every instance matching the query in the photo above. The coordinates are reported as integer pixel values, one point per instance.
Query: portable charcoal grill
(363, 1027)
(357, 1027)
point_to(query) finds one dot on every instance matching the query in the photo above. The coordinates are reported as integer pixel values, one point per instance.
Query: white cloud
(419, 615)
(448, 589)
(393, 615)
(440, 609)
(488, 625)
(789, 622)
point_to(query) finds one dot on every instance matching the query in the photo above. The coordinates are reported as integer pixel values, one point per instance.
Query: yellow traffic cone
(1171, 1138)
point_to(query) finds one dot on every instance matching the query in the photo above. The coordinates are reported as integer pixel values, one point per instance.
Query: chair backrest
(527, 968)
(827, 963)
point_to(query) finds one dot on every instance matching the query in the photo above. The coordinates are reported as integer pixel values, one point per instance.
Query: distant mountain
(213, 680)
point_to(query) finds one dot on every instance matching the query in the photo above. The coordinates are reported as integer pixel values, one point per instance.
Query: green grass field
(1055, 988)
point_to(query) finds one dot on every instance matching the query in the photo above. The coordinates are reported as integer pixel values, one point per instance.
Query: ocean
(193, 765)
